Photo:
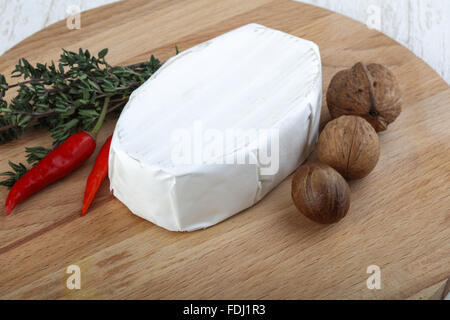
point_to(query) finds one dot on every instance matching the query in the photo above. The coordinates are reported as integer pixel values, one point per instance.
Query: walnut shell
(320, 193)
(371, 92)
(350, 145)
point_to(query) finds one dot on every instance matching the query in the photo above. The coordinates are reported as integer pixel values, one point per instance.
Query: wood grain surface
(399, 217)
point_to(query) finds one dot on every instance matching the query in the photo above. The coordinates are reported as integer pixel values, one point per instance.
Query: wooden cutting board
(399, 218)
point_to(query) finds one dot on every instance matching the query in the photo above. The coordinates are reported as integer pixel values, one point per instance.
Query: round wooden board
(399, 218)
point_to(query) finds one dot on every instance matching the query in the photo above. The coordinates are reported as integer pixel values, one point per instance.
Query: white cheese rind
(250, 78)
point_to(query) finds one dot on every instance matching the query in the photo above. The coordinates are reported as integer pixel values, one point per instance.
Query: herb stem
(38, 115)
(117, 106)
(101, 119)
(9, 126)
(25, 82)
(136, 65)
(35, 115)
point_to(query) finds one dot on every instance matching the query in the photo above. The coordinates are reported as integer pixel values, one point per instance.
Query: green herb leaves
(12, 176)
(65, 97)
(103, 53)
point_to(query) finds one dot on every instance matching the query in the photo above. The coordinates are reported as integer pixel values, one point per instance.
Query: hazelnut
(350, 145)
(320, 193)
(371, 92)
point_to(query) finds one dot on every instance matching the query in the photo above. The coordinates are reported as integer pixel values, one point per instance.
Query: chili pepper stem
(101, 118)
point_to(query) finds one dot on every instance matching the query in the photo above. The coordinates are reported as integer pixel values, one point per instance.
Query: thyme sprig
(64, 97)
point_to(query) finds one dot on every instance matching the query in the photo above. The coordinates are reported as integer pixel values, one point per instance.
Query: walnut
(320, 193)
(371, 92)
(350, 145)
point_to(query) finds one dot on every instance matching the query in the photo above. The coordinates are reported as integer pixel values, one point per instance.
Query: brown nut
(350, 145)
(320, 193)
(371, 92)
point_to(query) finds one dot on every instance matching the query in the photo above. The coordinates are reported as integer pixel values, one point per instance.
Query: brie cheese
(217, 127)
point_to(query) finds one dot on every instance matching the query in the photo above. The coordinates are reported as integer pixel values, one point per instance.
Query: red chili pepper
(97, 176)
(56, 165)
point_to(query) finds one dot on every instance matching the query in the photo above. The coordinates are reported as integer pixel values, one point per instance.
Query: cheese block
(217, 127)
